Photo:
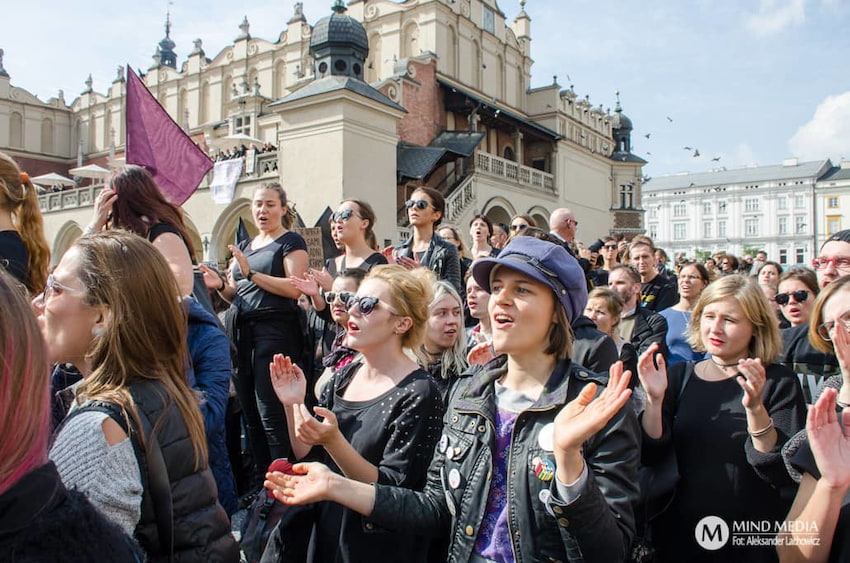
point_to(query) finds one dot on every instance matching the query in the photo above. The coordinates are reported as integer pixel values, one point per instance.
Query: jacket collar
(36, 493)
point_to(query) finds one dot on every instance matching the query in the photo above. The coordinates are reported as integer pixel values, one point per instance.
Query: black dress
(722, 474)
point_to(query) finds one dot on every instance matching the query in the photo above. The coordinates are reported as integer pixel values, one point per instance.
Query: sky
(743, 82)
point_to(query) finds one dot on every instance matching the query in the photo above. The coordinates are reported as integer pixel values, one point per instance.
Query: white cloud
(827, 134)
(775, 15)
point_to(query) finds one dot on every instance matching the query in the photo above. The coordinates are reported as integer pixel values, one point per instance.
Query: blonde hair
(146, 334)
(816, 318)
(410, 295)
(766, 342)
(454, 359)
(17, 195)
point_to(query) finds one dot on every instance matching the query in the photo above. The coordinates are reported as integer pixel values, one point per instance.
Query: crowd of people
(505, 393)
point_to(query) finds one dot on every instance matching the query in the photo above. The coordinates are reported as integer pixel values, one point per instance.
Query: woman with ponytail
(24, 251)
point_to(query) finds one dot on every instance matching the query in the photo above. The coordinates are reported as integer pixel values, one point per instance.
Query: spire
(165, 49)
(88, 84)
(617, 108)
(2, 70)
(244, 29)
(339, 7)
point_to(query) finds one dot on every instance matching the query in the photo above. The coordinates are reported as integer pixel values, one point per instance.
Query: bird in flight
(687, 148)
(670, 119)
(647, 135)
(696, 153)
(716, 159)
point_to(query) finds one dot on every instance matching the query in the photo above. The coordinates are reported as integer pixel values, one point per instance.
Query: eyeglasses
(519, 227)
(52, 286)
(573, 221)
(344, 296)
(800, 296)
(417, 203)
(343, 215)
(367, 304)
(825, 328)
(838, 262)
(609, 246)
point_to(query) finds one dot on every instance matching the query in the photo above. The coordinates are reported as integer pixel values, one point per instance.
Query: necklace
(722, 365)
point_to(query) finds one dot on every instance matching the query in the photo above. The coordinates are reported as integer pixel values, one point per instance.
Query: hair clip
(25, 178)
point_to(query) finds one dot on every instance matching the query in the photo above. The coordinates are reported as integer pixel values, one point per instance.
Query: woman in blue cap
(534, 463)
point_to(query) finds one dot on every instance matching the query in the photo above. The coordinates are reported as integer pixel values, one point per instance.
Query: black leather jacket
(441, 258)
(597, 526)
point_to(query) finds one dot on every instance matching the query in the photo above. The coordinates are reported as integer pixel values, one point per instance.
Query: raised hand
(480, 354)
(751, 380)
(388, 253)
(102, 207)
(313, 432)
(322, 277)
(587, 414)
(653, 379)
(211, 278)
(306, 285)
(288, 380)
(244, 267)
(830, 446)
(311, 484)
(841, 346)
(407, 262)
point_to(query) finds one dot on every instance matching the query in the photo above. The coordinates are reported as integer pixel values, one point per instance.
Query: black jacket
(649, 327)
(812, 366)
(593, 349)
(598, 526)
(42, 521)
(441, 258)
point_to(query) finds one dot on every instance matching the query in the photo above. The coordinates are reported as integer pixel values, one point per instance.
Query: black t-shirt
(658, 294)
(374, 259)
(13, 255)
(265, 260)
(812, 366)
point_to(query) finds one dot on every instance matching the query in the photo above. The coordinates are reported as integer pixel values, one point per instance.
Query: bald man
(563, 224)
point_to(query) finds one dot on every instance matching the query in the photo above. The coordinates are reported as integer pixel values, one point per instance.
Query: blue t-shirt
(677, 337)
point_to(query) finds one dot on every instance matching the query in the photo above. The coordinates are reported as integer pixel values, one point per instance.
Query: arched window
(16, 130)
(509, 154)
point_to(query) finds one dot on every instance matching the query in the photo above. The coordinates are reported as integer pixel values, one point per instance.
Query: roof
(462, 143)
(334, 83)
(545, 131)
(339, 29)
(737, 176)
(836, 173)
(416, 162)
(626, 157)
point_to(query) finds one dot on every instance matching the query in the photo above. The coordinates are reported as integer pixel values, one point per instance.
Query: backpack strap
(151, 461)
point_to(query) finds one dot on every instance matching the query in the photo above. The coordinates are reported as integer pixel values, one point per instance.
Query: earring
(97, 331)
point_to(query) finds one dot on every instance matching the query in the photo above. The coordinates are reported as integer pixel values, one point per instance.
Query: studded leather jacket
(597, 526)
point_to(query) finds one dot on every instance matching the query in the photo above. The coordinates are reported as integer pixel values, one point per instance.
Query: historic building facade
(369, 103)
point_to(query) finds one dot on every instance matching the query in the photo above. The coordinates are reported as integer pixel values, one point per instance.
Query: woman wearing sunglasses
(519, 223)
(726, 419)
(819, 456)
(796, 295)
(380, 416)
(354, 223)
(533, 460)
(425, 210)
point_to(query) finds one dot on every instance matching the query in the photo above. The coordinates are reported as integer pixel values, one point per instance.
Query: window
(680, 231)
(832, 202)
(799, 202)
(782, 202)
(706, 208)
(721, 229)
(488, 20)
(783, 256)
(706, 229)
(799, 224)
(680, 210)
(800, 255)
(751, 227)
(833, 224)
(653, 231)
(242, 125)
(783, 225)
(721, 208)
(653, 212)
(751, 204)
(627, 194)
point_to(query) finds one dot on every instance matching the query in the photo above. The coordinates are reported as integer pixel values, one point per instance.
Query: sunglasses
(839, 262)
(609, 246)
(343, 215)
(417, 203)
(518, 227)
(343, 296)
(825, 328)
(367, 304)
(800, 296)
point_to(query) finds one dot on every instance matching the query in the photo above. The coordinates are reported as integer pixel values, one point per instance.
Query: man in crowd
(657, 291)
(638, 325)
(499, 238)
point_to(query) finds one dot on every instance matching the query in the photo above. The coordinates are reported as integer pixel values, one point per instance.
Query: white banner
(225, 175)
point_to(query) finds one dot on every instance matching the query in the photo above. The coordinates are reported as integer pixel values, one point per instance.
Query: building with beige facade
(420, 92)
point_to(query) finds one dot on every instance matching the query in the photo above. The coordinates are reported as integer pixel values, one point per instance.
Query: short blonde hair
(816, 319)
(410, 294)
(766, 343)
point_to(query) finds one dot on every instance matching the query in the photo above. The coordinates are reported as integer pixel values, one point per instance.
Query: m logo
(711, 533)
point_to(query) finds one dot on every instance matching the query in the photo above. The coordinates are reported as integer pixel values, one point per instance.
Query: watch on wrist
(250, 275)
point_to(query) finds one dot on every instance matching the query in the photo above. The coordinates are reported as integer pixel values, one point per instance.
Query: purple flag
(156, 142)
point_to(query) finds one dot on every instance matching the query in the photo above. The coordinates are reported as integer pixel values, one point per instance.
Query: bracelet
(763, 431)
(841, 404)
(250, 275)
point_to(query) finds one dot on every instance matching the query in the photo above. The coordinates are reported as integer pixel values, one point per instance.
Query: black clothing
(658, 294)
(649, 327)
(13, 256)
(592, 349)
(199, 291)
(41, 521)
(374, 259)
(812, 366)
(596, 527)
(267, 259)
(722, 474)
(441, 257)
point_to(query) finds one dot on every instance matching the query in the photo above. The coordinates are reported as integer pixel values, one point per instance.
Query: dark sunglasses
(343, 215)
(800, 296)
(344, 296)
(417, 203)
(610, 247)
(518, 227)
(366, 304)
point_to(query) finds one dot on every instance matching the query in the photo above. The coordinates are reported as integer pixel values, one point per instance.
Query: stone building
(372, 101)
